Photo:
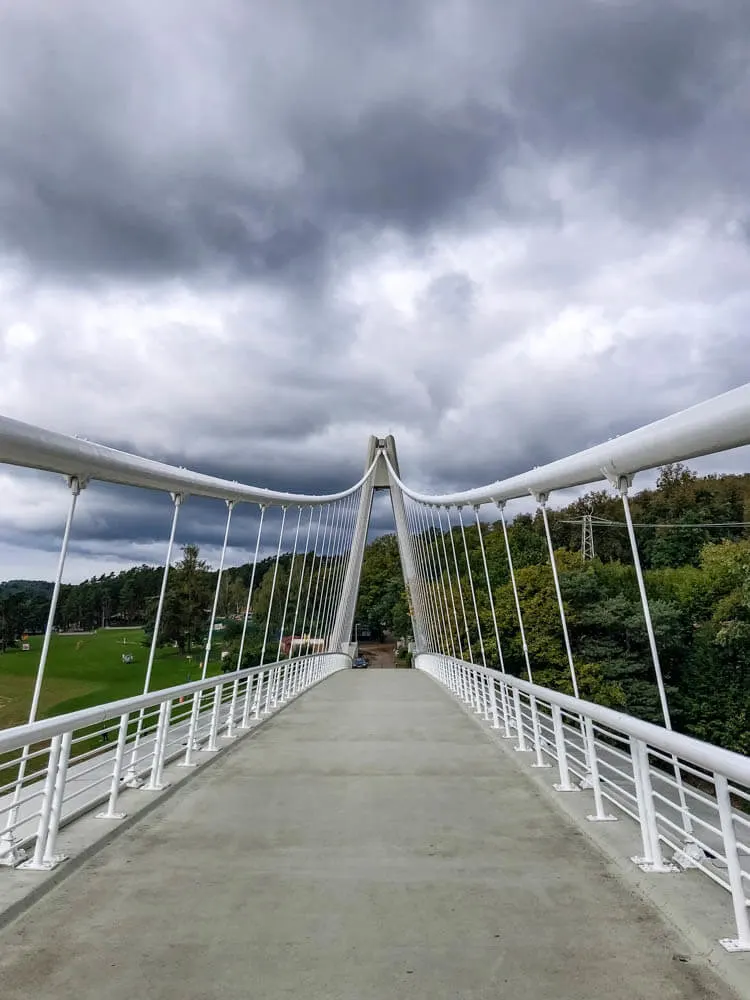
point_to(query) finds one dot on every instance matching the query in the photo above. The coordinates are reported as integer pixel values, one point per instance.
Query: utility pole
(587, 537)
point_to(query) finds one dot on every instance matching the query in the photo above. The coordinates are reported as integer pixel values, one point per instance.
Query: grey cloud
(234, 149)
(97, 177)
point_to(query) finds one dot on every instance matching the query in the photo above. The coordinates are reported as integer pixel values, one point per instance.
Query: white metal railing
(55, 770)
(680, 791)
(324, 536)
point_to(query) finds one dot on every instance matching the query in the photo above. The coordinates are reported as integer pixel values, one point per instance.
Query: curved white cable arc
(715, 425)
(33, 447)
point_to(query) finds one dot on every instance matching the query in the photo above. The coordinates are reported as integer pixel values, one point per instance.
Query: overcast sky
(243, 235)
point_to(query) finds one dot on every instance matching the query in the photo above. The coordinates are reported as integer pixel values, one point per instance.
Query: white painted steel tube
(732, 765)
(715, 425)
(37, 448)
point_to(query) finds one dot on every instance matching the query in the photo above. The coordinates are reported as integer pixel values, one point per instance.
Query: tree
(187, 602)
(382, 604)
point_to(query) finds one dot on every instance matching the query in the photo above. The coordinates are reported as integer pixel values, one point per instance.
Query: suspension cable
(450, 581)
(300, 583)
(436, 582)
(240, 654)
(446, 610)
(471, 585)
(542, 501)
(289, 584)
(309, 583)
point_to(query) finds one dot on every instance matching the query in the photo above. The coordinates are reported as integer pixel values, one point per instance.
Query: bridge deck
(369, 842)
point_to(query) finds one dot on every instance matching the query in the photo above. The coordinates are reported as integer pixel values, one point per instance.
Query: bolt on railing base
(653, 869)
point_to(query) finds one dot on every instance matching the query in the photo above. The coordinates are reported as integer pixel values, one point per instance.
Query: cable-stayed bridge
(299, 827)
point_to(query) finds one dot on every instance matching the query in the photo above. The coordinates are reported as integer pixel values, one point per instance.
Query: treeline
(698, 581)
(130, 598)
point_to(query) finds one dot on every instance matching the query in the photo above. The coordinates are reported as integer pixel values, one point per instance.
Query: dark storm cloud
(98, 175)
(295, 152)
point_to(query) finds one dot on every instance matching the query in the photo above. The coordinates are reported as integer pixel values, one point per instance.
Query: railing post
(734, 870)
(44, 858)
(269, 687)
(192, 743)
(475, 699)
(521, 747)
(493, 702)
(652, 860)
(50, 858)
(154, 783)
(537, 731)
(596, 785)
(506, 709)
(247, 705)
(114, 789)
(232, 714)
(36, 862)
(485, 697)
(212, 746)
(564, 785)
(258, 694)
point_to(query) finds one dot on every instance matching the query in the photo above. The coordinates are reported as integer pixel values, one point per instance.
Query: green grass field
(86, 670)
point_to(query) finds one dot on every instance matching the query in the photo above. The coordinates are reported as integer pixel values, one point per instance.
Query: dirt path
(379, 654)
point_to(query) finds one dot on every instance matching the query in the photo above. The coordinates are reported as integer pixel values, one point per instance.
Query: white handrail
(19, 737)
(33, 447)
(715, 425)
(732, 765)
(618, 765)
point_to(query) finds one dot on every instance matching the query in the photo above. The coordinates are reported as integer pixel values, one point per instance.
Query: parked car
(360, 661)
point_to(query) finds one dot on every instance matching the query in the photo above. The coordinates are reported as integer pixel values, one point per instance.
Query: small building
(298, 645)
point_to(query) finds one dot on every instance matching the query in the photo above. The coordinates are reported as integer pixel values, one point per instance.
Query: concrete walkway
(367, 843)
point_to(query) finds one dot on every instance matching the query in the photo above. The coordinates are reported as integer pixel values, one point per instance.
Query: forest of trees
(130, 598)
(698, 580)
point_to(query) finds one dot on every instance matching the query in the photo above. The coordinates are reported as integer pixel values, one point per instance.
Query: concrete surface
(367, 843)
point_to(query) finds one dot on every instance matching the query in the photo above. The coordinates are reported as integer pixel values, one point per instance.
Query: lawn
(85, 670)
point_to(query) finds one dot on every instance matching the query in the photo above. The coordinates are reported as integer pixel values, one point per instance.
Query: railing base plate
(43, 866)
(654, 869)
(107, 815)
(602, 819)
(733, 945)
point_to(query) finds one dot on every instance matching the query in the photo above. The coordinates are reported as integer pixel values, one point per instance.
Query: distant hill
(28, 588)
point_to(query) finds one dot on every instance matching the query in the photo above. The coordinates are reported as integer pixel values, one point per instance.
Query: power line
(603, 522)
